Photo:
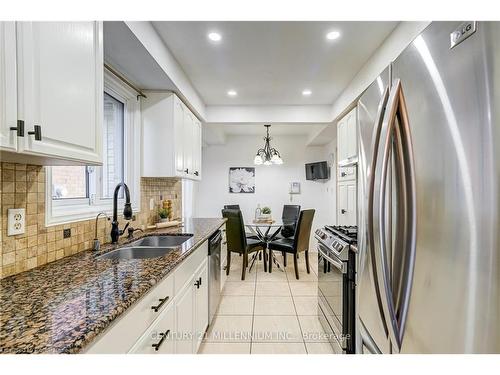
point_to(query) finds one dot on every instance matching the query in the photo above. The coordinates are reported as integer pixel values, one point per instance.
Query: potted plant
(266, 213)
(163, 213)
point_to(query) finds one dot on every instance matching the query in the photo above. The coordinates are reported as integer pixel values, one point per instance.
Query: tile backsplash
(23, 186)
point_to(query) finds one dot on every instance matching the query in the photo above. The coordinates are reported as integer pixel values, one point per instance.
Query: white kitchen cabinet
(201, 305)
(346, 203)
(59, 91)
(158, 339)
(223, 257)
(347, 140)
(8, 86)
(346, 173)
(184, 316)
(171, 147)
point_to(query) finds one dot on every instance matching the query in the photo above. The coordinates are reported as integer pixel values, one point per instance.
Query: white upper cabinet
(59, 90)
(347, 140)
(171, 136)
(8, 86)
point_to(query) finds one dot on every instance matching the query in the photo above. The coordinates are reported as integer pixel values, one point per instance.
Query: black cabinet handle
(197, 283)
(162, 302)
(196, 173)
(19, 128)
(186, 170)
(343, 211)
(37, 132)
(343, 174)
(200, 280)
(163, 337)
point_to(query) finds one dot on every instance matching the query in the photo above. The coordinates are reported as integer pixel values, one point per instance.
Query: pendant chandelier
(267, 155)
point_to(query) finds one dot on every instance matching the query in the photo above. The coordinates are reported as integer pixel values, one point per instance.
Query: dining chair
(289, 217)
(237, 207)
(299, 243)
(237, 242)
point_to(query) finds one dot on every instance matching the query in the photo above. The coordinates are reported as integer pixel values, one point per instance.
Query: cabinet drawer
(346, 173)
(159, 337)
(120, 336)
(189, 266)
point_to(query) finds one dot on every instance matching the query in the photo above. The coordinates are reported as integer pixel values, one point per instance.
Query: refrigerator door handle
(397, 141)
(370, 204)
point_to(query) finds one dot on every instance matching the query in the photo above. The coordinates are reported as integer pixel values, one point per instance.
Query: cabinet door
(184, 317)
(197, 149)
(351, 135)
(341, 140)
(8, 86)
(347, 203)
(179, 136)
(60, 88)
(188, 142)
(201, 305)
(158, 339)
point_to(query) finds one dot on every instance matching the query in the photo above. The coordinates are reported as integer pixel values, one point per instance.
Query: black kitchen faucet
(127, 212)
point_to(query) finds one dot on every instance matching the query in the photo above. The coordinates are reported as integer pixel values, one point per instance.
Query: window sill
(70, 214)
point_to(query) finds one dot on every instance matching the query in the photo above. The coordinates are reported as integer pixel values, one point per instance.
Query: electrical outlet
(16, 221)
(67, 233)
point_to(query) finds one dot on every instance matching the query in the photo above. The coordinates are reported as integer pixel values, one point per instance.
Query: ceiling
(271, 63)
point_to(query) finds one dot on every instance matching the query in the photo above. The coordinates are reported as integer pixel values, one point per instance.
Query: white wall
(272, 182)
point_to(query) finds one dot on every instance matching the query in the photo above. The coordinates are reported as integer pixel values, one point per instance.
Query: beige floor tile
(306, 305)
(224, 348)
(319, 348)
(235, 275)
(304, 288)
(303, 275)
(236, 305)
(279, 288)
(278, 348)
(276, 329)
(265, 305)
(239, 288)
(312, 329)
(228, 328)
(275, 276)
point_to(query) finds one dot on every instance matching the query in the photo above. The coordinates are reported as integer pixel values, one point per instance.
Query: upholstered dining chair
(289, 216)
(237, 207)
(237, 242)
(297, 244)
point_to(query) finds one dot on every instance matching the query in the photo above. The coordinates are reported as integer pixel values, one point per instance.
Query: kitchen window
(80, 192)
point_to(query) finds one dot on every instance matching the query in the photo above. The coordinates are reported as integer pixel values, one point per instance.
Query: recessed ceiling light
(332, 35)
(232, 93)
(214, 37)
(306, 92)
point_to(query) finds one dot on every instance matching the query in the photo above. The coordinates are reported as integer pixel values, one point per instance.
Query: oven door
(331, 271)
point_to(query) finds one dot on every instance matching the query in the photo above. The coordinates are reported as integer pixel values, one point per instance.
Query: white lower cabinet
(159, 337)
(346, 203)
(171, 318)
(223, 257)
(184, 314)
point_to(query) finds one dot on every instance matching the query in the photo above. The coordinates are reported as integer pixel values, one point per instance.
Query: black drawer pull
(343, 211)
(196, 173)
(163, 337)
(162, 302)
(37, 133)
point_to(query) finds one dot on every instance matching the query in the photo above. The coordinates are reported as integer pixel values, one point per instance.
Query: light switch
(16, 221)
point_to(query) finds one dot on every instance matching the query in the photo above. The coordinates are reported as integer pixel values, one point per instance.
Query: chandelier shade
(267, 155)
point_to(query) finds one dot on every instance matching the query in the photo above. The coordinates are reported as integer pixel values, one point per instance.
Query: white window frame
(70, 210)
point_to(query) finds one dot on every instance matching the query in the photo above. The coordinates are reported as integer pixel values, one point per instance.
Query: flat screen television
(317, 171)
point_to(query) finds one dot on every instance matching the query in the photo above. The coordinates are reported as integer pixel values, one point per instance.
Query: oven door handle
(341, 266)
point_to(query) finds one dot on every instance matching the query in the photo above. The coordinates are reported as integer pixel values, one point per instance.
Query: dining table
(266, 231)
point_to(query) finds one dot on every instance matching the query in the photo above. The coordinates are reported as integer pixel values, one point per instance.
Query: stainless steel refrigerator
(428, 196)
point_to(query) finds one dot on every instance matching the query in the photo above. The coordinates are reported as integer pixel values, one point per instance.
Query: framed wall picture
(242, 180)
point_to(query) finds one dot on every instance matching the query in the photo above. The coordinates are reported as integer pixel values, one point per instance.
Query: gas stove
(338, 239)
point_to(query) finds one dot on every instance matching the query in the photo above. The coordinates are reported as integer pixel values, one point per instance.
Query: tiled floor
(268, 313)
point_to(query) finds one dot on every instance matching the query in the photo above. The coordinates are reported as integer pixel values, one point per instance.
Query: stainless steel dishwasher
(214, 248)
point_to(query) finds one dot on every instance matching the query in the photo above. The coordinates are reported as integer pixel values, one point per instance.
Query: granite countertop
(62, 306)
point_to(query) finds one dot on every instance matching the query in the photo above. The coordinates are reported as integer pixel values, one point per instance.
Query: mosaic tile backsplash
(23, 186)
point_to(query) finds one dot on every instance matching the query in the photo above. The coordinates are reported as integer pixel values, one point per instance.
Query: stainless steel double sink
(148, 247)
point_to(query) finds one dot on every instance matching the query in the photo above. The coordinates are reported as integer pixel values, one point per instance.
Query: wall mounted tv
(317, 171)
